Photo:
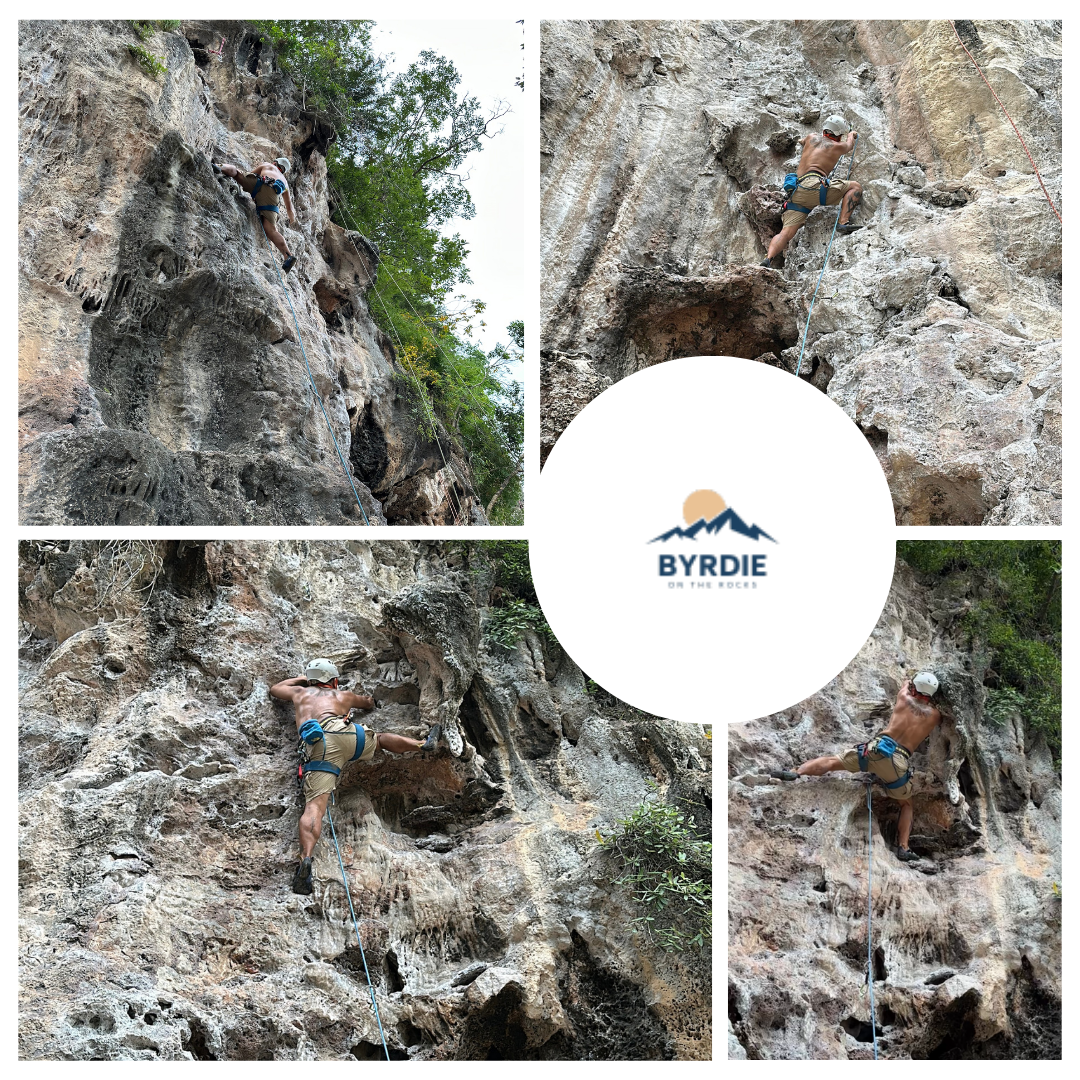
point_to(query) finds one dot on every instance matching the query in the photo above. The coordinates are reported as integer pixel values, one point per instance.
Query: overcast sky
(488, 56)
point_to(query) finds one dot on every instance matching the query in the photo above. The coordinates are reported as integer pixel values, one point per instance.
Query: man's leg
(272, 232)
(852, 200)
(311, 824)
(241, 177)
(781, 241)
(819, 766)
(398, 744)
(907, 814)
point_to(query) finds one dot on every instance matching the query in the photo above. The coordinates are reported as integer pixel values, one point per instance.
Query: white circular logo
(713, 539)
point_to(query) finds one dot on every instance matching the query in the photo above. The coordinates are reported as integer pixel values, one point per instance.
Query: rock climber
(819, 156)
(329, 741)
(887, 754)
(264, 184)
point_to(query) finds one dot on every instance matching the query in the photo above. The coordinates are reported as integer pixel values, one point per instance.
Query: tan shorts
(888, 769)
(806, 194)
(340, 746)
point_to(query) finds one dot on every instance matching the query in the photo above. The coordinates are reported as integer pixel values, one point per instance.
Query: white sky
(488, 56)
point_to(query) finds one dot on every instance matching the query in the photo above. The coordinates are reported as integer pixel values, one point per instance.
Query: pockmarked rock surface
(966, 940)
(158, 818)
(161, 378)
(937, 328)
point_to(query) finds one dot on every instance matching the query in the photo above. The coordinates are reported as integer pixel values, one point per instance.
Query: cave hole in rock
(733, 1005)
(942, 500)
(195, 1042)
(956, 1045)
(881, 972)
(352, 964)
(394, 981)
(409, 1034)
(368, 452)
(247, 55)
(200, 52)
(740, 323)
(821, 886)
(859, 1030)
(472, 720)
(369, 1051)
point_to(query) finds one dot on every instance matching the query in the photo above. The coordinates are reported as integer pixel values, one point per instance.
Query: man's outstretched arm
(287, 689)
(361, 701)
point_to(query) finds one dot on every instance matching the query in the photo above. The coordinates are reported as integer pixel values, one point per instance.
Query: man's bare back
(319, 702)
(913, 718)
(820, 154)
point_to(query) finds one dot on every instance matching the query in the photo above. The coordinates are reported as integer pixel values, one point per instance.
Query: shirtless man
(264, 185)
(887, 755)
(331, 741)
(819, 156)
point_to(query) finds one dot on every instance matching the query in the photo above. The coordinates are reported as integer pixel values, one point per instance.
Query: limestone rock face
(158, 819)
(938, 325)
(966, 941)
(161, 378)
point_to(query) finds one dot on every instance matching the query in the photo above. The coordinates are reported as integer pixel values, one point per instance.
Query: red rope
(1010, 119)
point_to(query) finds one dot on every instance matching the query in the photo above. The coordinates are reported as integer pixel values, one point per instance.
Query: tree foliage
(395, 173)
(515, 608)
(1014, 588)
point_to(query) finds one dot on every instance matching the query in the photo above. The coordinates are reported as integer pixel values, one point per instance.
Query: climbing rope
(870, 911)
(806, 329)
(311, 378)
(356, 927)
(1009, 118)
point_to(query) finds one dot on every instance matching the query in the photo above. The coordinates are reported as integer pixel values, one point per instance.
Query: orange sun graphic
(702, 504)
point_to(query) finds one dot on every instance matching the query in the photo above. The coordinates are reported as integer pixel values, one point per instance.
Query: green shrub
(508, 624)
(169, 24)
(667, 870)
(144, 28)
(151, 64)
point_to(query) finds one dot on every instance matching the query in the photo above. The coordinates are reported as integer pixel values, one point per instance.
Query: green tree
(1014, 618)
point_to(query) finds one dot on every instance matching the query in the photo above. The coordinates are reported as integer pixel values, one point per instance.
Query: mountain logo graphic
(706, 512)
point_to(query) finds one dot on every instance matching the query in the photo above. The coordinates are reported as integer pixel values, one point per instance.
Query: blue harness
(884, 746)
(279, 189)
(312, 733)
(791, 182)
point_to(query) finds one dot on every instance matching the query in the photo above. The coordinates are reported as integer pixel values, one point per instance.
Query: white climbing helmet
(926, 683)
(836, 125)
(283, 163)
(321, 671)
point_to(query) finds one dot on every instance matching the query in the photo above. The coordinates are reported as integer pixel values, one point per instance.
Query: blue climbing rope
(352, 912)
(824, 264)
(311, 379)
(870, 911)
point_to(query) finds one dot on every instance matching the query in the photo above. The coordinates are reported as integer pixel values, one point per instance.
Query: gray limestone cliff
(158, 811)
(938, 325)
(161, 378)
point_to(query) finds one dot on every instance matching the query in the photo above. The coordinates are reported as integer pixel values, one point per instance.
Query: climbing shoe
(289, 263)
(302, 880)
(783, 774)
(906, 854)
(432, 740)
(847, 227)
(766, 262)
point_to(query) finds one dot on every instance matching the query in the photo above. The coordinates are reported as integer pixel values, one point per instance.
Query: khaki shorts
(340, 746)
(806, 194)
(888, 769)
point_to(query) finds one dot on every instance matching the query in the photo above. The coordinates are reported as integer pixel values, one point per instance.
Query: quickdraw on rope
(870, 912)
(806, 329)
(311, 378)
(1009, 118)
(356, 927)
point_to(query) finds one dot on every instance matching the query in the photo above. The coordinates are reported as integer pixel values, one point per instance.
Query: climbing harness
(878, 750)
(279, 189)
(1009, 118)
(312, 732)
(824, 189)
(791, 182)
(311, 379)
(326, 766)
(870, 912)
